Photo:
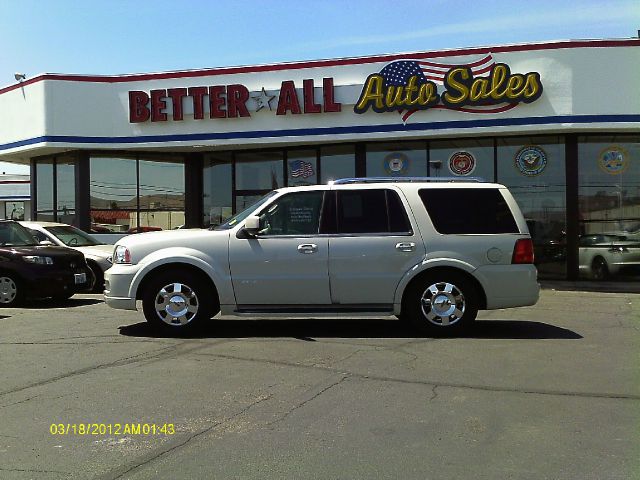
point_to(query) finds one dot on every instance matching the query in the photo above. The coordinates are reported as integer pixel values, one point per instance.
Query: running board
(329, 310)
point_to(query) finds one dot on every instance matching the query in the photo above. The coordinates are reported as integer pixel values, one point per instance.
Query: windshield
(14, 234)
(233, 221)
(72, 236)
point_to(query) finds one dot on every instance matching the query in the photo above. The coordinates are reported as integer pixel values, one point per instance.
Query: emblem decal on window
(531, 160)
(613, 160)
(462, 163)
(396, 163)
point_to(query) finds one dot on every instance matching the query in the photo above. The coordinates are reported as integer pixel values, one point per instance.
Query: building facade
(558, 123)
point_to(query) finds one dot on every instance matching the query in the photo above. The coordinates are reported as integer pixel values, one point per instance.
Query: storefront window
(113, 194)
(534, 170)
(461, 158)
(65, 190)
(161, 187)
(14, 210)
(398, 159)
(609, 203)
(129, 195)
(337, 162)
(217, 191)
(44, 190)
(259, 171)
(245, 201)
(302, 167)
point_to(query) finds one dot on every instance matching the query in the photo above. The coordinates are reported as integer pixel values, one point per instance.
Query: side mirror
(252, 224)
(46, 243)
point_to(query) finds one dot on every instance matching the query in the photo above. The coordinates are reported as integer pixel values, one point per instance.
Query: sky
(143, 36)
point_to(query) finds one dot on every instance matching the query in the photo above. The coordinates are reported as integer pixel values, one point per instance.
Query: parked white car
(603, 255)
(431, 252)
(97, 254)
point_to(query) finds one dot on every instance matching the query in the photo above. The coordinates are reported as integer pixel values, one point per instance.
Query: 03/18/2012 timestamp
(112, 429)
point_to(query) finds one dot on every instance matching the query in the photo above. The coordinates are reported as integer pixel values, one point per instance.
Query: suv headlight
(38, 259)
(121, 254)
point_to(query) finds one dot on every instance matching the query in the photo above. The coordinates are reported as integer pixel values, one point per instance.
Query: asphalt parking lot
(545, 392)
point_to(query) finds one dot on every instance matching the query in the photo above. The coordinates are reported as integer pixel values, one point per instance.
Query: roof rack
(343, 181)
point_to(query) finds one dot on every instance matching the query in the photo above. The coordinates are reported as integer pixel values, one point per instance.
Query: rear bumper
(509, 285)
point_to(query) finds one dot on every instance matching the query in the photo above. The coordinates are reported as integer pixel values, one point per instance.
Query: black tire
(457, 303)
(11, 290)
(191, 304)
(98, 275)
(599, 269)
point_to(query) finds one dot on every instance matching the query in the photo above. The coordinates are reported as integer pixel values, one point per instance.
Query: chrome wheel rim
(8, 290)
(176, 304)
(443, 304)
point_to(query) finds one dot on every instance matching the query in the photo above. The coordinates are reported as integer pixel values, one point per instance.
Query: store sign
(228, 101)
(408, 86)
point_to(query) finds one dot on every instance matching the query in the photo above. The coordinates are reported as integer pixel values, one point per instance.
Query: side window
(468, 210)
(292, 214)
(371, 211)
(39, 236)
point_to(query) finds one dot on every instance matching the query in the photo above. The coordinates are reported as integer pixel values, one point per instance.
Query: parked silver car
(604, 255)
(97, 254)
(429, 251)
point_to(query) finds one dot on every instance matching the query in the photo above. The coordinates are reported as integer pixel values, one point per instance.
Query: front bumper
(51, 283)
(117, 287)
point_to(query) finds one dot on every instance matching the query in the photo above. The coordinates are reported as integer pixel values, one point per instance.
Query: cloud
(560, 18)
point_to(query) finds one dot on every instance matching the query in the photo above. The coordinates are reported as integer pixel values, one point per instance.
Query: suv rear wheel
(442, 302)
(177, 301)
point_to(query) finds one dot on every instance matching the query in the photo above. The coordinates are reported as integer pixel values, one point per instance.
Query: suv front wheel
(443, 302)
(176, 301)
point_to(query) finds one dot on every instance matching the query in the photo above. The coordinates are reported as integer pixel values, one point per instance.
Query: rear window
(468, 210)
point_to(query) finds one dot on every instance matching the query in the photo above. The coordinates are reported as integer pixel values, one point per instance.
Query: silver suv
(430, 251)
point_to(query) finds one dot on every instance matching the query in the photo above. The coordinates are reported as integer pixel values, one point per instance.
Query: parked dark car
(29, 270)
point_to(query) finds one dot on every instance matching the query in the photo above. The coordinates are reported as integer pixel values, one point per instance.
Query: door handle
(406, 246)
(307, 248)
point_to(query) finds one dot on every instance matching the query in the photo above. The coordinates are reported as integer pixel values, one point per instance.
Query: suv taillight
(523, 251)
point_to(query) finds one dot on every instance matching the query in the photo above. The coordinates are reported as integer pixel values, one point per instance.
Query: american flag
(300, 168)
(398, 73)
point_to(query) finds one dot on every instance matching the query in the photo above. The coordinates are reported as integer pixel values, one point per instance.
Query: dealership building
(557, 122)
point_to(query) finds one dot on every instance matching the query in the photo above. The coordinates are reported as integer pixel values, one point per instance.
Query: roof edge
(135, 77)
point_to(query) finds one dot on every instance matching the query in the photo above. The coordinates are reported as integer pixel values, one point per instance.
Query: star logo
(263, 100)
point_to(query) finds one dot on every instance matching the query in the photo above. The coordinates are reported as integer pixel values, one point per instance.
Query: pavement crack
(434, 393)
(19, 402)
(30, 470)
(302, 404)
(160, 353)
(406, 381)
(146, 459)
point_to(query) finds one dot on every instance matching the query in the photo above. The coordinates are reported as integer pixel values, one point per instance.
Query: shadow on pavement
(51, 303)
(308, 329)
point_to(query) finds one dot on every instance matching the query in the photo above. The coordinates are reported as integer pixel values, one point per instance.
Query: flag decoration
(301, 169)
